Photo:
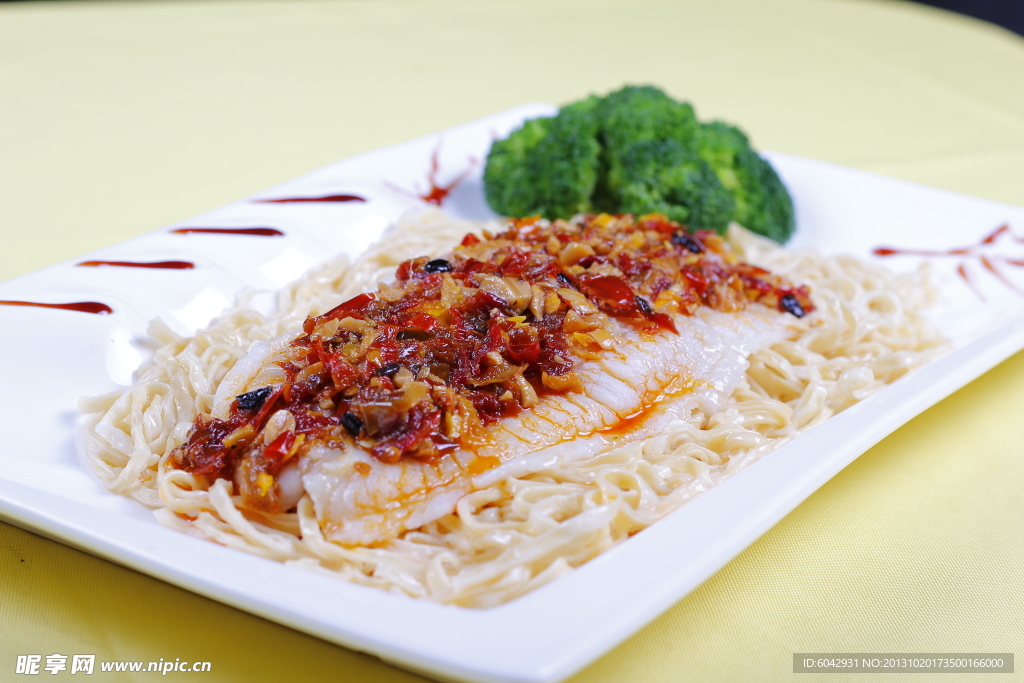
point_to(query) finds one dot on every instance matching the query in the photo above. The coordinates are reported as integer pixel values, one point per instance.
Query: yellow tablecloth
(117, 118)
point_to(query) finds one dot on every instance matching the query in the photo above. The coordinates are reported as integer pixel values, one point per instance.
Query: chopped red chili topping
(456, 343)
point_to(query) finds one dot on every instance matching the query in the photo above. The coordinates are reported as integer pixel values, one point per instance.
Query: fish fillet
(664, 378)
(513, 354)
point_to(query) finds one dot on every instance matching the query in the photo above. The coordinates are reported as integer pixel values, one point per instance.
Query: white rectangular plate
(53, 357)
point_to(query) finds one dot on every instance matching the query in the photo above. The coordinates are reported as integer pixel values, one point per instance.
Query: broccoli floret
(586, 107)
(719, 144)
(767, 206)
(547, 167)
(663, 176)
(637, 150)
(633, 114)
(762, 203)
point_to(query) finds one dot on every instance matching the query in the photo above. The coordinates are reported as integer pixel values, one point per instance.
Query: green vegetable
(547, 167)
(663, 176)
(762, 203)
(637, 150)
(634, 114)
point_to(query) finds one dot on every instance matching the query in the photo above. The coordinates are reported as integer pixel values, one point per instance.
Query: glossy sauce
(161, 265)
(889, 251)
(93, 307)
(437, 193)
(1000, 231)
(627, 424)
(989, 262)
(331, 198)
(651, 401)
(965, 275)
(993, 268)
(482, 463)
(254, 232)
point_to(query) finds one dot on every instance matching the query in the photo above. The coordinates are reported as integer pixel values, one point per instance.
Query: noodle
(522, 532)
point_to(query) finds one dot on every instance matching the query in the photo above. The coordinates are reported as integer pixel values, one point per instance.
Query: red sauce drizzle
(994, 235)
(990, 262)
(962, 271)
(162, 265)
(256, 232)
(889, 251)
(93, 307)
(338, 198)
(437, 193)
(993, 268)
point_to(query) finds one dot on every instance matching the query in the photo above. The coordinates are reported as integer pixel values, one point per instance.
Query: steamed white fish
(513, 354)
